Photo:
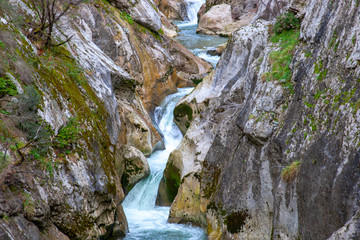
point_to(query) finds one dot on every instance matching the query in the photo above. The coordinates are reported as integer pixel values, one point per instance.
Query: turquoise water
(199, 43)
(147, 221)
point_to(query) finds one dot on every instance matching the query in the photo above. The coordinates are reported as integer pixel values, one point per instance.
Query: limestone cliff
(75, 119)
(272, 141)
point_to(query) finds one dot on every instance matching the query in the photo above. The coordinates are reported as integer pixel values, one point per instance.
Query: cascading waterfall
(192, 8)
(199, 44)
(147, 221)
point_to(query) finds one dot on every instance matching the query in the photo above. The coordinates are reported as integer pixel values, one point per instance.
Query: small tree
(48, 12)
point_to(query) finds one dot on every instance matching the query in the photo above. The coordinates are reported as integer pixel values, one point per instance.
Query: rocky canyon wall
(76, 120)
(271, 149)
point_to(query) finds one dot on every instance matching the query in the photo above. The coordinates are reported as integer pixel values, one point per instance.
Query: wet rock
(136, 167)
(170, 182)
(213, 52)
(221, 48)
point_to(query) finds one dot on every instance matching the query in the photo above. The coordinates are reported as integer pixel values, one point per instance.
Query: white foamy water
(211, 59)
(192, 8)
(147, 221)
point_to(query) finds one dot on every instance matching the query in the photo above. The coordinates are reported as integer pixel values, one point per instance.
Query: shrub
(7, 87)
(286, 21)
(29, 122)
(290, 172)
(4, 160)
(67, 135)
(280, 60)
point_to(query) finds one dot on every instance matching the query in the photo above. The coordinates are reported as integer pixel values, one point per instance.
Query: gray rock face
(141, 11)
(76, 193)
(247, 131)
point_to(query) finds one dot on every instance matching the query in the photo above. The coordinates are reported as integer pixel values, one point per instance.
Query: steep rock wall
(93, 98)
(253, 121)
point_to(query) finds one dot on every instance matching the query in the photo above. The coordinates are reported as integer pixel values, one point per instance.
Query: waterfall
(147, 221)
(192, 8)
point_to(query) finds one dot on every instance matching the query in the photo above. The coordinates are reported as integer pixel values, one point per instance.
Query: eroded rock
(136, 167)
(215, 20)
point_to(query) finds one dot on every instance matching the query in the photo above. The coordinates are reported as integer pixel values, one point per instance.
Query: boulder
(215, 20)
(243, 21)
(201, 12)
(220, 19)
(136, 167)
(221, 48)
(169, 28)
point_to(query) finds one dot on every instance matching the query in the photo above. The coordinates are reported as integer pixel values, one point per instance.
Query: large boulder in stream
(136, 167)
(215, 20)
(225, 17)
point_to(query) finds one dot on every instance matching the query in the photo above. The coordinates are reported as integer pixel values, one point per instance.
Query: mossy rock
(170, 183)
(136, 167)
(183, 114)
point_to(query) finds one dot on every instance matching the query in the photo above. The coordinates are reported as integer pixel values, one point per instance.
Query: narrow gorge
(179, 119)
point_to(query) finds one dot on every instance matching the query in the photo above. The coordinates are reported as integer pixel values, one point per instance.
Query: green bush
(286, 21)
(68, 135)
(7, 87)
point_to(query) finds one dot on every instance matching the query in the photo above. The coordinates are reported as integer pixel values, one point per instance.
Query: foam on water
(211, 59)
(192, 8)
(147, 221)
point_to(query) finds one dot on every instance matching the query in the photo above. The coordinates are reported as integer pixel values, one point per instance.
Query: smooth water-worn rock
(136, 167)
(226, 16)
(215, 20)
(249, 129)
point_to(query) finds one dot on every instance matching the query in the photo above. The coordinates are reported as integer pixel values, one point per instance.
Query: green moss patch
(172, 181)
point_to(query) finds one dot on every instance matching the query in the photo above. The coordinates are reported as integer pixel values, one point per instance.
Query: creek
(147, 221)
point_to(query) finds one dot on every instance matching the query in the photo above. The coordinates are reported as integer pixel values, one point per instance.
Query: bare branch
(48, 13)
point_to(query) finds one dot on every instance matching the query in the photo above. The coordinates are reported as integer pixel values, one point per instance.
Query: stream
(147, 221)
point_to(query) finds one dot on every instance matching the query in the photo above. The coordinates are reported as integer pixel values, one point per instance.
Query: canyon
(266, 143)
